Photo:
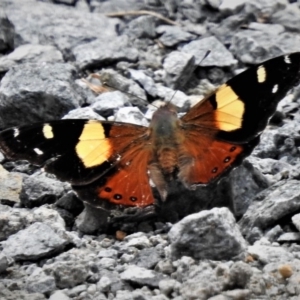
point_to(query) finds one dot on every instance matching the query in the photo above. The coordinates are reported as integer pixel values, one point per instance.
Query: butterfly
(114, 162)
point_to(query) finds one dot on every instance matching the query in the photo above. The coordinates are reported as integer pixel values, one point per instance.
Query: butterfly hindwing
(233, 118)
(81, 151)
(127, 183)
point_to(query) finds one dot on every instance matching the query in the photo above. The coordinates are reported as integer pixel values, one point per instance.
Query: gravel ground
(238, 239)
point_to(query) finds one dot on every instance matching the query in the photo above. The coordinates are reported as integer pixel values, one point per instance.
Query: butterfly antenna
(203, 58)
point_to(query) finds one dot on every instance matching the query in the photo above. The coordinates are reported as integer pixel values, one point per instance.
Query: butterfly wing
(83, 152)
(225, 127)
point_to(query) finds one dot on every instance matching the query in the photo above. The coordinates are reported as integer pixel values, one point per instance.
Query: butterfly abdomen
(168, 159)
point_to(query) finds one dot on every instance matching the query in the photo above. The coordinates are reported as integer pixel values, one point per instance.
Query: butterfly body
(112, 163)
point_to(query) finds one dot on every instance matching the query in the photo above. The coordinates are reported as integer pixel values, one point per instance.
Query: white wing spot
(275, 89)
(16, 132)
(47, 131)
(261, 74)
(287, 59)
(38, 151)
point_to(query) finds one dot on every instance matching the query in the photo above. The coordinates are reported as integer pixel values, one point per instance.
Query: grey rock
(147, 258)
(67, 274)
(103, 51)
(239, 275)
(145, 81)
(5, 294)
(273, 234)
(83, 113)
(202, 281)
(296, 221)
(11, 220)
(173, 35)
(104, 284)
(125, 85)
(7, 33)
(266, 147)
(289, 237)
(210, 234)
(117, 6)
(231, 6)
(227, 28)
(59, 295)
(218, 297)
(46, 23)
(39, 282)
(219, 56)
(264, 7)
(165, 267)
(11, 185)
(91, 219)
(242, 185)
(38, 190)
(179, 67)
(30, 53)
(168, 286)
(107, 263)
(70, 202)
(237, 294)
(114, 283)
(45, 91)
(141, 276)
(267, 254)
(288, 17)
(262, 45)
(36, 241)
(139, 242)
(107, 103)
(110, 253)
(4, 263)
(273, 29)
(178, 98)
(214, 3)
(131, 115)
(271, 205)
(75, 291)
(141, 27)
(14, 219)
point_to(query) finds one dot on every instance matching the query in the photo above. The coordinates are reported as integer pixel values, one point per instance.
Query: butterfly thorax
(165, 138)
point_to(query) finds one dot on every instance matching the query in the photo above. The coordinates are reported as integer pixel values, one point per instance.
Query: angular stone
(36, 241)
(218, 55)
(30, 54)
(11, 185)
(141, 276)
(39, 282)
(179, 68)
(45, 91)
(272, 204)
(38, 190)
(173, 35)
(211, 234)
(107, 103)
(103, 51)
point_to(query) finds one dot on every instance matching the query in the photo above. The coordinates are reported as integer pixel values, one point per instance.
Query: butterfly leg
(158, 179)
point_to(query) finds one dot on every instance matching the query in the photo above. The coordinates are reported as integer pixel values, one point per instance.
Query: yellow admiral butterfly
(113, 162)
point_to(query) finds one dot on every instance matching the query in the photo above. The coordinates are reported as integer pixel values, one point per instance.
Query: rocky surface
(238, 239)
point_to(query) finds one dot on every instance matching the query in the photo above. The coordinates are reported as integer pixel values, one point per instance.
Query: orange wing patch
(204, 159)
(129, 185)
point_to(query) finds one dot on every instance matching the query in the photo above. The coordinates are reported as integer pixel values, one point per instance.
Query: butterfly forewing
(241, 108)
(78, 151)
(225, 127)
